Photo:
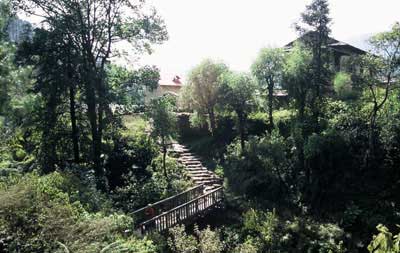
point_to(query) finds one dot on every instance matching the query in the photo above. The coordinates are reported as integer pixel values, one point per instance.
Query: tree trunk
(96, 141)
(211, 116)
(241, 126)
(74, 135)
(302, 105)
(48, 135)
(270, 104)
(164, 151)
(317, 83)
(370, 154)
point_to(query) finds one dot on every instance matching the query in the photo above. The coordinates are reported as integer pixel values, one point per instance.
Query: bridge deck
(183, 212)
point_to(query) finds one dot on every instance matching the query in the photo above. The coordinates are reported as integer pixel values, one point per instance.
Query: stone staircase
(199, 174)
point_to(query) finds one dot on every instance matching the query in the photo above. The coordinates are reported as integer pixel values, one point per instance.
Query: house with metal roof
(339, 51)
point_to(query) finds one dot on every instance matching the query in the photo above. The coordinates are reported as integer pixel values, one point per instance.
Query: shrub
(342, 84)
(138, 192)
(268, 232)
(44, 214)
(384, 242)
(131, 155)
(203, 241)
(261, 171)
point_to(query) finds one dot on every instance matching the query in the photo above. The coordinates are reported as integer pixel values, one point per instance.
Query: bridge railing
(183, 212)
(164, 205)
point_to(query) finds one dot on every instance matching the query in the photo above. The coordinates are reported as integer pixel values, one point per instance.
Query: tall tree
(55, 75)
(5, 15)
(298, 70)
(268, 68)
(204, 81)
(315, 30)
(237, 94)
(164, 125)
(380, 75)
(93, 28)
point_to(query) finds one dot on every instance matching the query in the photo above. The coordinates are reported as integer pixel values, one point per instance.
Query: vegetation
(268, 70)
(80, 150)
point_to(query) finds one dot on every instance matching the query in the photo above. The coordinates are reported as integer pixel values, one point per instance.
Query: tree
(381, 73)
(164, 124)
(298, 69)
(204, 81)
(268, 68)
(236, 93)
(93, 28)
(5, 15)
(315, 29)
(57, 81)
(128, 87)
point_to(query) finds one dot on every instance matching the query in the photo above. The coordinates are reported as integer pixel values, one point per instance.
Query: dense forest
(313, 170)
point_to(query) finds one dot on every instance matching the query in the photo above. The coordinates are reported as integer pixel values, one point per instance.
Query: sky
(233, 31)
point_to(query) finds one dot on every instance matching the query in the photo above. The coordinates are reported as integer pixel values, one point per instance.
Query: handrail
(182, 212)
(168, 203)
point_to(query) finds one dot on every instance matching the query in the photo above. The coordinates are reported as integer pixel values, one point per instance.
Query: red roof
(175, 81)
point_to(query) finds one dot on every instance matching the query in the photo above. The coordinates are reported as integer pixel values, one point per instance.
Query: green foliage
(237, 92)
(203, 85)
(131, 156)
(384, 242)
(342, 85)
(137, 191)
(176, 181)
(270, 233)
(5, 15)
(268, 66)
(203, 241)
(128, 87)
(297, 73)
(181, 242)
(268, 69)
(261, 171)
(37, 212)
(163, 119)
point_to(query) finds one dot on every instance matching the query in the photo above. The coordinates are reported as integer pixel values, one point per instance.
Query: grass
(134, 124)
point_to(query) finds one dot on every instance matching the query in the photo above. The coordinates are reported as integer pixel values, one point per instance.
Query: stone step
(198, 173)
(198, 166)
(205, 181)
(197, 169)
(201, 179)
(188, 160)
(181, 159)
(186, 154)
(192, 163)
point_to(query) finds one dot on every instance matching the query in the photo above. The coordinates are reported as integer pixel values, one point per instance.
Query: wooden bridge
(186, 206)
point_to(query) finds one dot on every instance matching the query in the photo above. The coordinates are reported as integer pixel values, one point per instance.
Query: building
(166, 85)
(19, 30)
(340, 52)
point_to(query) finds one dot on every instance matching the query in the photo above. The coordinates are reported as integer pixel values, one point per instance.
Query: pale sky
(233, 31)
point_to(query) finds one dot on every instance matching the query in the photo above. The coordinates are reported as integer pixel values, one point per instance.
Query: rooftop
(171, 81)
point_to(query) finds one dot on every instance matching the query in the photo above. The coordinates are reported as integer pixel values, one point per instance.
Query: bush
(44, 214)
(203, 241)
(268, 232)
(342, 84)
(261, 171)
(131, 155)
(384, 242)
(138, 192)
